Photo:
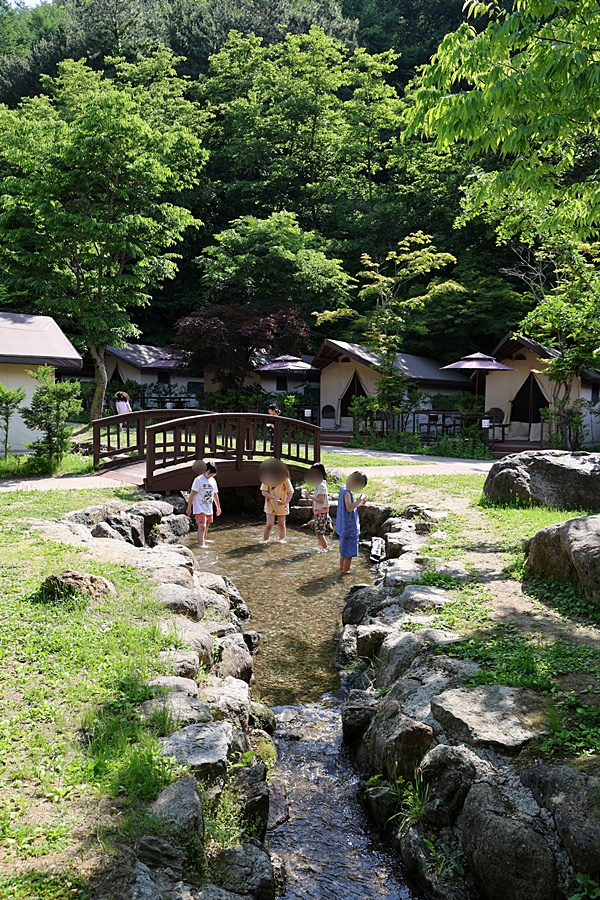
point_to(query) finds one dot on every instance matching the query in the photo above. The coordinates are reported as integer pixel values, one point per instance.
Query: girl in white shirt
(122, 403)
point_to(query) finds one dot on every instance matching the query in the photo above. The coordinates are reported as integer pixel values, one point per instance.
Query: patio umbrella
(477, 362)
(288, 364)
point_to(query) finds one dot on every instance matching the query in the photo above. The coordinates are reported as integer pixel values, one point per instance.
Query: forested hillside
(303, 165)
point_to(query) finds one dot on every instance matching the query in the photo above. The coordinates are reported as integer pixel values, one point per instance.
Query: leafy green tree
(524, 88)
(412, 27)
(10, 401)
(272, 262)
(88, 177)
(395, 293)
(52, 405)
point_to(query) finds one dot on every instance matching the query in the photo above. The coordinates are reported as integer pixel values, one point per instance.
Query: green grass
(42, 886)
(349, 461)
(509, 657)
(25, 466)
(72, 677)
(400, 490)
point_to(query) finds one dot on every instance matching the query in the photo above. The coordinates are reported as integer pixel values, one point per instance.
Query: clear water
(296, 598)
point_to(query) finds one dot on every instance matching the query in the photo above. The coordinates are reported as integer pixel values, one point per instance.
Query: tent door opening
(528, 403)
(354, 389)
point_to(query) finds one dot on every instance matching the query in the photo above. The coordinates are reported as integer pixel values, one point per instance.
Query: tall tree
(526, 89)
(88, 174)
(272, 262)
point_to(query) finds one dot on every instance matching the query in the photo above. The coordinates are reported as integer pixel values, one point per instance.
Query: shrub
(10, 400)
(52, 405)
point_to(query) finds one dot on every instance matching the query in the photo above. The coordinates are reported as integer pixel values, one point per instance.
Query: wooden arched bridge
(158, 447)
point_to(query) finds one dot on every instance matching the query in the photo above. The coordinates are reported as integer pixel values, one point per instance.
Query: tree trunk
(97, 354)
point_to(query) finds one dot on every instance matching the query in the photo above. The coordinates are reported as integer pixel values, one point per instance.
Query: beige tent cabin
(523, 393)
(351, 370)
(27, 342)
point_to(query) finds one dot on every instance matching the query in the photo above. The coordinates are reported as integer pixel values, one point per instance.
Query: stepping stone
(175, 683)
(181, 709)
(490, 715)
(204, 748)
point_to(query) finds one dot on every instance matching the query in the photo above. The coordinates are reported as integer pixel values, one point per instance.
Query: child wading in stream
(317, 479)
(277, 489)
(203, 494)
(347, 525)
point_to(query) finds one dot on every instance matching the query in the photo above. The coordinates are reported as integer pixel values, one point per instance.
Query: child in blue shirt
(347, 525)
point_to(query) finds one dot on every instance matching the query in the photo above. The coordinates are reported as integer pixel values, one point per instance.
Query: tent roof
(145, 356)
(35, 341)
(512, 342)
(420, 369)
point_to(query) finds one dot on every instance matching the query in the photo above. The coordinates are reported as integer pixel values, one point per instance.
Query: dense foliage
(303, 141)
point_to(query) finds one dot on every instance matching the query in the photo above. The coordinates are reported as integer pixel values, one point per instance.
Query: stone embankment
(438, 752)
(204, 695)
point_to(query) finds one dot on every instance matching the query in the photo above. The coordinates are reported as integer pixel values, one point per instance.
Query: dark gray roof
(512, 342)
(145, 356)
(35, 341)
(420, 369)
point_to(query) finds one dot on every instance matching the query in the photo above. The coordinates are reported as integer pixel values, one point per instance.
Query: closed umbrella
(478, 362)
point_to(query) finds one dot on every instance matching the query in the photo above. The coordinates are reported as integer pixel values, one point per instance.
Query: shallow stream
(296, 598)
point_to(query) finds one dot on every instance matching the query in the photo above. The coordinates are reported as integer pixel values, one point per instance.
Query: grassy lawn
(347, 460)
(75, 761)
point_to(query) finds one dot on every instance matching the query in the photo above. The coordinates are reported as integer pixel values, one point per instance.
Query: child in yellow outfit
(277, 506)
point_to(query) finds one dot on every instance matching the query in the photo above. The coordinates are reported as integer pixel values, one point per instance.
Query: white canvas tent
(522, 393)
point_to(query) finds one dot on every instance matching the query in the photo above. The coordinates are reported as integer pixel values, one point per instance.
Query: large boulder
(177, 709)
(236, 660)
(70, 585)
(253, 796)
(508, 859)
(180, 599)
(184, 663)
(449, 773)
(156, 853)
(569, 551)
(357, 715)
(556, 478)
(396, 744)
(245, 869)
(396, 654)
(228, 698)
(204, 748)
(373, 516)
(362, 600)
(131, 528)
(191, 634)
(491, 715)
(179, 807)
(175, 683)
(573, 798)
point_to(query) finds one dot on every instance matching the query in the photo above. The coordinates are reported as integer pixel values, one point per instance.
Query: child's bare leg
(281, 527)
(322, 541)
(268, 527)
(201, 533)
(345, 563)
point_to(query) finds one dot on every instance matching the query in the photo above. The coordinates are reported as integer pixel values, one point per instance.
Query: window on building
(164, 378)
(281, 383)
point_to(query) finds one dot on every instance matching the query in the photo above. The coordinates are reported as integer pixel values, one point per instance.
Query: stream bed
(296, 596)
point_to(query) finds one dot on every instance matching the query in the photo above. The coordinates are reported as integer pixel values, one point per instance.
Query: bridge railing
(125, 434)
(230, 436)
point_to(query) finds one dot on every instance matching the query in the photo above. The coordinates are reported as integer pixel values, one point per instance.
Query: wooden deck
(148, 448)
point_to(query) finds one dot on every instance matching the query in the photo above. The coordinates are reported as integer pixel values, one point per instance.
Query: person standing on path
(347, 524)
(203, 495)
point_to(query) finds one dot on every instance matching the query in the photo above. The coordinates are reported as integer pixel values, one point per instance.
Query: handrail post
(239, 442)
(150, 457)
(140, 427)
(317, 445)
(277, 437)
(96, 440)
